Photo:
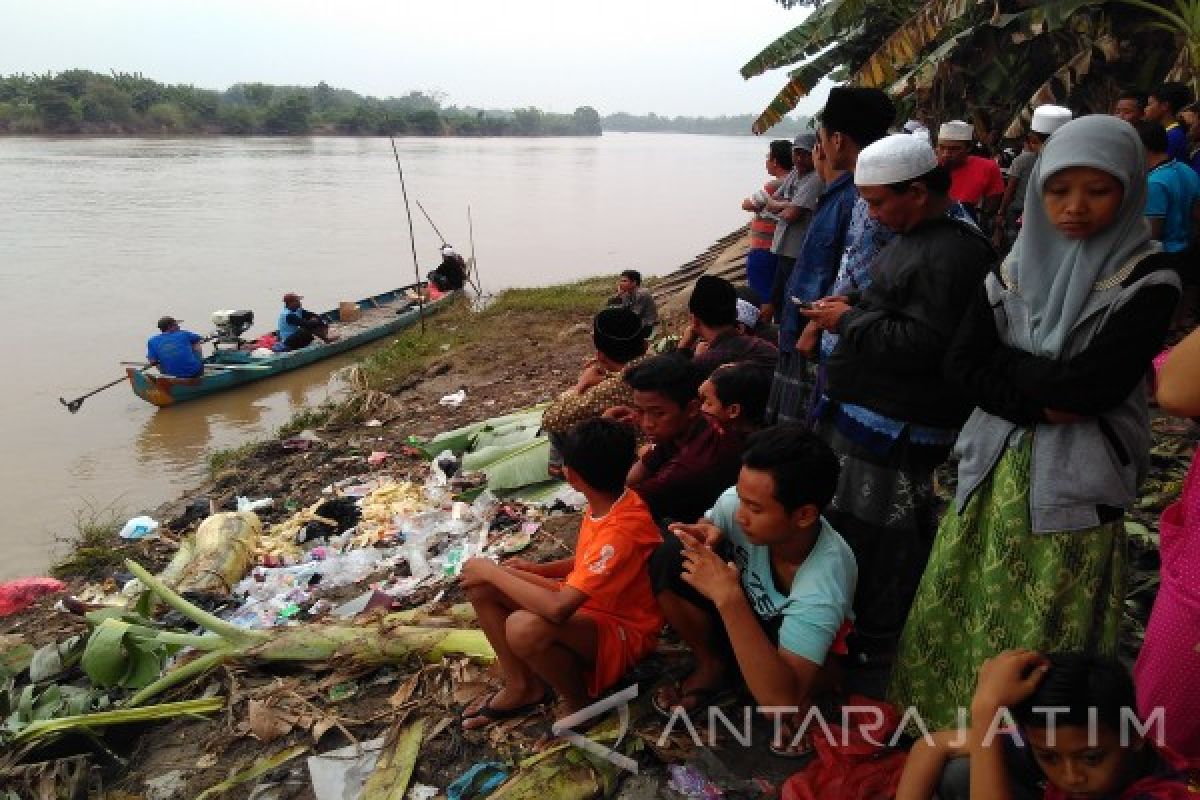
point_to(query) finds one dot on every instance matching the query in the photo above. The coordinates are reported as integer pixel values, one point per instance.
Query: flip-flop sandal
(805, 751)
(497, 714)
(703, 697)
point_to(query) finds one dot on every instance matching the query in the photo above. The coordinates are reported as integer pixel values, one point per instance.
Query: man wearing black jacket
(887, 409)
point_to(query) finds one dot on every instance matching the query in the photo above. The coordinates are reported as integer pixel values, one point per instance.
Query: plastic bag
(138, 528)
(849, 765)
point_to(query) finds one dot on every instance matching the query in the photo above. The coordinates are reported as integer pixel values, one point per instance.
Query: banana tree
(990, 58)
(1182, 20)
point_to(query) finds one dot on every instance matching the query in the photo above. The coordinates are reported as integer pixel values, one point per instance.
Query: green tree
(258, 94)
(289, 116)
(103, 104)
(528, 121)
(166, 118)
(587, 121)
(58, 111)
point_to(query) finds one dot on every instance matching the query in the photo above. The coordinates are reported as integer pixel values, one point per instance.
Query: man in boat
(298, 327)
(451, 274)
(175, 352)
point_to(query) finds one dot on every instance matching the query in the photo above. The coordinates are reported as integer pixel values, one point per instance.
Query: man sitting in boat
(175, 352)
(451, 274)
(298, 327)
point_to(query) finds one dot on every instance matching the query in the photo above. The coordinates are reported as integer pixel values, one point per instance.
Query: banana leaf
(905, 44)
(459, 440)
(822, 27)
(511, 467)
(394, 770)
(224, 553)
(802, 80)
(1057, 88)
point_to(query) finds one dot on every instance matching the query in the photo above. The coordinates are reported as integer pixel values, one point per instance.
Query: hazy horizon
(669, 57)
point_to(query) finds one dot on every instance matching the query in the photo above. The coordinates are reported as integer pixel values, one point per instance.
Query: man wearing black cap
(713, 320)
(175, 352)
(620, 340)
(840, 233)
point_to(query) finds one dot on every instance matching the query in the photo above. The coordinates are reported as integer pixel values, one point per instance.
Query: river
(101, 236)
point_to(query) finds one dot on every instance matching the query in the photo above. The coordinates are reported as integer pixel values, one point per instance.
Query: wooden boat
(381, 314)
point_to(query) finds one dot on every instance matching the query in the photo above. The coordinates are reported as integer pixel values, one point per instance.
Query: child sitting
(576, 625)
(734, 398)
(763, 581)
(689, 461)
(1077, 736)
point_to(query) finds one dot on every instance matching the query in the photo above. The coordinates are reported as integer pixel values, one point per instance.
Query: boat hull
(228, 369)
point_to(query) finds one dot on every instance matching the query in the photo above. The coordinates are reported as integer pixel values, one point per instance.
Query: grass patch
(306, 418)
(219, 460)
(412, 352)
(96, 550)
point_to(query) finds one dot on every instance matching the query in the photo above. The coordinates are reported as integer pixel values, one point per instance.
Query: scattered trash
(479, 781)
(138, 528)
(454, 400)
(217, 556)
(255, 770)
(246, 504)
(166, 786)
(343, 773)
(24, 592)
(419, 791)
(692, 783)
(302, 440)
(395, 767)
(372, 423)
(377, 457)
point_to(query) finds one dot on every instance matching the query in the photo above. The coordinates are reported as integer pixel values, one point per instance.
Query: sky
(672, 57)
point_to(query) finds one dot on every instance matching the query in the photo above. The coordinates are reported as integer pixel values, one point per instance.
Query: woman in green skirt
(1054, 353)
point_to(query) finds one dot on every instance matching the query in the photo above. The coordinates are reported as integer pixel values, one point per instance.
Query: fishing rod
(411, 238)
(431, 222)
(478, 283)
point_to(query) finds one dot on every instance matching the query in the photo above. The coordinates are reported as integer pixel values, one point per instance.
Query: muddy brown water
(99, 237)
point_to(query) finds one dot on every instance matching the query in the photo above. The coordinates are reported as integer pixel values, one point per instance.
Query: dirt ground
(526, 357)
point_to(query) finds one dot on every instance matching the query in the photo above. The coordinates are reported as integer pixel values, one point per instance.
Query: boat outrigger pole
(432, 224)
(411, 238)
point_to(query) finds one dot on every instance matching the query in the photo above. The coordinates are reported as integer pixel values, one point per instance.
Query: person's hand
(826, 313)
(809, 340)
(477, 572)
(766, 313)
(703, 532)
(645, 450)
(1006, 680)
(623, 414)
(689, 337)
(708, 574)
(522, 565)
(1056, 417)
(593, 373)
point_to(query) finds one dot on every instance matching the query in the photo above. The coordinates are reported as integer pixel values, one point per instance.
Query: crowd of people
(769, 492)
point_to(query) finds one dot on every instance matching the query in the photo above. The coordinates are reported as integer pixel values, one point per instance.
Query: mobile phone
(804, 305)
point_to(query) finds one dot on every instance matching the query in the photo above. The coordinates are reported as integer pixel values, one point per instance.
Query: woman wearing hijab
(1054, 353)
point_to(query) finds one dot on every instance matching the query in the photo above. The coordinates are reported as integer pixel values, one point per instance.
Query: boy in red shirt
(573, 626)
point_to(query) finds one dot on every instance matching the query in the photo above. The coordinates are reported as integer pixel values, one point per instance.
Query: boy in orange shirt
(573, 626)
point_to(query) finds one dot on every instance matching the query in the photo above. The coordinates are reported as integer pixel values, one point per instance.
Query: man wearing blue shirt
(298, 327)
(175, 352)
(1172, 191)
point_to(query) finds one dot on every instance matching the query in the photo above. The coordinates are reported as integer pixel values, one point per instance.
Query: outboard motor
(230, 327)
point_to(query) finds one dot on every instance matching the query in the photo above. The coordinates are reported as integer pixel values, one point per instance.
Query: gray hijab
(1056, 275)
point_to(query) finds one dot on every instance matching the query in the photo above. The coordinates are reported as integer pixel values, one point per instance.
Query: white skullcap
(447, 250)
(1048, 119)
(892, 159)
(747, 313)
(956, 131)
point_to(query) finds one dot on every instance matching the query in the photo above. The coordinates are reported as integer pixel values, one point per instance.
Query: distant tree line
(80, 101)
(728, 125)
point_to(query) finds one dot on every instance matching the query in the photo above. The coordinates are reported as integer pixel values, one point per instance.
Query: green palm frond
(822, 27)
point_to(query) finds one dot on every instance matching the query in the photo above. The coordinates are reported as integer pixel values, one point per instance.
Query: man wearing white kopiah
(1046, 120)
(975, 182)
(887, 410)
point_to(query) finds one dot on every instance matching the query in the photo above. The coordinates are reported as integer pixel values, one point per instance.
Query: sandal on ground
(702, 697)
(803, 751)
(492, 714)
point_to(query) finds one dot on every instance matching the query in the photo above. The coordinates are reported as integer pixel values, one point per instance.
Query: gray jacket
(1074, 468)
